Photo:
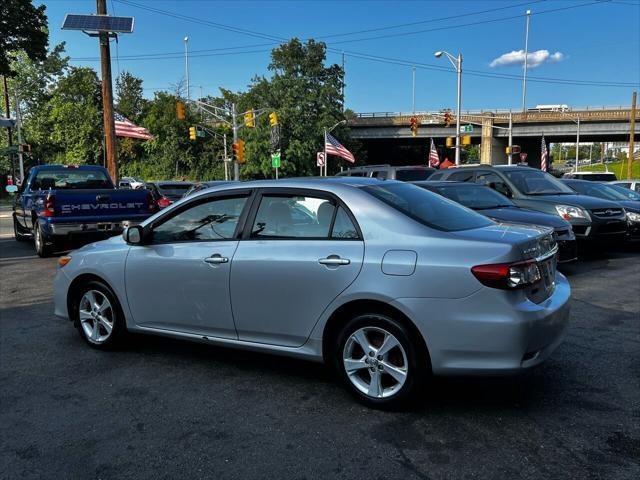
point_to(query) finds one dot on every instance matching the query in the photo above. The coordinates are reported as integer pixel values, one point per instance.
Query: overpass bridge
(384, 134)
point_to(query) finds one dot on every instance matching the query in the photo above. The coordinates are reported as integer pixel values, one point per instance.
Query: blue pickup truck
(60, 204)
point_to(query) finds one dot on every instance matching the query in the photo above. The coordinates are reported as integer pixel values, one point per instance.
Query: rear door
(300, 250)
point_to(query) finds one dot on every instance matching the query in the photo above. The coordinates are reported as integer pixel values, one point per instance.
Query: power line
(374, 57)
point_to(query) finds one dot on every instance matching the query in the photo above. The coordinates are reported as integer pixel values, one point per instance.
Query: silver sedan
(386, 282)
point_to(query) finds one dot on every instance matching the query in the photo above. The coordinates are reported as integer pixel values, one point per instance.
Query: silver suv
(405, 173)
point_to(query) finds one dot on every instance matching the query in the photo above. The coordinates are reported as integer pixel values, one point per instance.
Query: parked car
(633, 184)
(496, 206)
(592, 176)
(409, 173)
(608, 192)
(592, 219)
(164, 193)
(130, 182)
(630, 194)
(79, 203)
(386, 282)
(199, 186)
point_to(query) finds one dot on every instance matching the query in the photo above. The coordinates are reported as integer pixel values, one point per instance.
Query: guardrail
(490, 110)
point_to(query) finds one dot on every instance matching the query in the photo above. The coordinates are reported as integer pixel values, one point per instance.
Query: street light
(186, 64)
(326, 131)
(457, 65)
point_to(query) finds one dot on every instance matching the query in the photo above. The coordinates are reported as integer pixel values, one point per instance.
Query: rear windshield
(68, 179)
(427, 207)
(412, 175)
(173, 191)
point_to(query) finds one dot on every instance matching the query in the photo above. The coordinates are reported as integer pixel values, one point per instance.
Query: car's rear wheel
(98, 315)
(378, 361)
(42, 249)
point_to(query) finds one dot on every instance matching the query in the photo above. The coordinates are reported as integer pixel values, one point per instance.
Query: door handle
(216, 259)
(334, 260)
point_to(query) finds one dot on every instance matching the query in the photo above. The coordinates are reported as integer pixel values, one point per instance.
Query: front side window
(464, 176)
(426, 207)
(492, 180)
(380, 174)
(293, 217)
(215, 219)
(475, 197)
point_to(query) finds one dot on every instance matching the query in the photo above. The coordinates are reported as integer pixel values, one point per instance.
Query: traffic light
(180, 111)
(466, 140)
(273, 119)
(414, 126)
(447, 118)
(193, 133)
(238, 151)
(450, 142)
(249, 119)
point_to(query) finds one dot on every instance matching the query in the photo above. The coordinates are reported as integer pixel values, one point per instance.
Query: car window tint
(343, 227)
(213, 220)
(293, 217)
(426, 207)
(464, 176)
(413, 174)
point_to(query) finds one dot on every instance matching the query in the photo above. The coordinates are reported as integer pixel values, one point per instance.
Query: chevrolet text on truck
(60, 203)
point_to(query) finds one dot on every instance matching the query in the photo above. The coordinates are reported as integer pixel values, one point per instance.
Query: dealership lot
(166, 409)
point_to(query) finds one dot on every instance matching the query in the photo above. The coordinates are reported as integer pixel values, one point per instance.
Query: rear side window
(380, 174)
(464, 176)
(293, 217)
(343, 227)
(426, 207)
(413, 175)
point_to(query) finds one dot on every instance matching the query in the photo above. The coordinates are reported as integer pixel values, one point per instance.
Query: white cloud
(534, 59)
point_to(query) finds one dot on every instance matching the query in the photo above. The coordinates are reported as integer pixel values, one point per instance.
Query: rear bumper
(491, 331)
(88, 228)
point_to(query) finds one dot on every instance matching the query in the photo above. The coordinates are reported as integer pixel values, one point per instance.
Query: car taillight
(508, 276)
(152, 205)
(164, 202)
(50, 206)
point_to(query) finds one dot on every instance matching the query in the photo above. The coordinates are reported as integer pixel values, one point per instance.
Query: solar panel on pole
(98, 23)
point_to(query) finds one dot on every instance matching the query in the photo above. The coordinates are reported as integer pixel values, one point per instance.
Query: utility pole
(509, 159)
(9, 131)
(225, 162)
(186, 65)
(107, 98)
(19, 129)
(578, 144)
(458, 145)
(236, 165)
(632, 127)
(413, 90)
(526, 61)
(343, 77)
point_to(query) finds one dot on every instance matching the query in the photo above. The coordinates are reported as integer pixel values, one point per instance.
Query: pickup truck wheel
(17, 230)
(42, 249)
(98, 315)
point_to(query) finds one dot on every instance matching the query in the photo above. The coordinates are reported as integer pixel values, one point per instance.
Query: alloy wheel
(375, 362)
(96, 316)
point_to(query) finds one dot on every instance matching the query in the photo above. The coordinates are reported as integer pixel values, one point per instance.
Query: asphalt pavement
(161, 408)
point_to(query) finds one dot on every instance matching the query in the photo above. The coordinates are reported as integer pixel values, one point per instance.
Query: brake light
(508, 276)
(164, 202)
(50, 206)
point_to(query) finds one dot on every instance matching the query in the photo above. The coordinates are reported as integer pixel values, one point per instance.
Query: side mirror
(11, 188)
(133, 235)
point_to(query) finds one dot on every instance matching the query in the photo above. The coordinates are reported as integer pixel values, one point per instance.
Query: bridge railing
(492, 110)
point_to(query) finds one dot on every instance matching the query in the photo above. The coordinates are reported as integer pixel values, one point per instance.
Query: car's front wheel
(378, 361)
(98, 315)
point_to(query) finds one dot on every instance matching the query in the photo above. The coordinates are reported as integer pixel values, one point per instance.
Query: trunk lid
(108, 203)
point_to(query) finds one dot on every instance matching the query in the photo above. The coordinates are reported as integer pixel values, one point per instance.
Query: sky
(572, 44)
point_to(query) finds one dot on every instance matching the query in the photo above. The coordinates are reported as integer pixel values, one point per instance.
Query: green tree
(23, 27)
(129, 99)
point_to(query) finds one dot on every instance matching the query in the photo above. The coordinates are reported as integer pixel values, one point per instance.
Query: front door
(301, 252)
(180, 280)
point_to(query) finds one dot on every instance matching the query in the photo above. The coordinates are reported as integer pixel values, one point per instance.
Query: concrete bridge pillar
(492, 149)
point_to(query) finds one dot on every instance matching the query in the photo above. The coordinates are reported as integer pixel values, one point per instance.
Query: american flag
(334, 147)
(544, 157)
(434, 160)
(126, 128)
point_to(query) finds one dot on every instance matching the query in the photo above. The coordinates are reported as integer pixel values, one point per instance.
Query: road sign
(466, 128)
(275, 160)
(523, 157)
(320, 159)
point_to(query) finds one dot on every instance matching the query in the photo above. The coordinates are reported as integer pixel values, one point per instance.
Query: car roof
(70, 167)
(592, 173)
(444, 183)
(168, 183)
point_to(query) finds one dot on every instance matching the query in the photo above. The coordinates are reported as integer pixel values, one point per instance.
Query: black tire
(119, 327)
(417, 360)
(17, 230)
(42, 249)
